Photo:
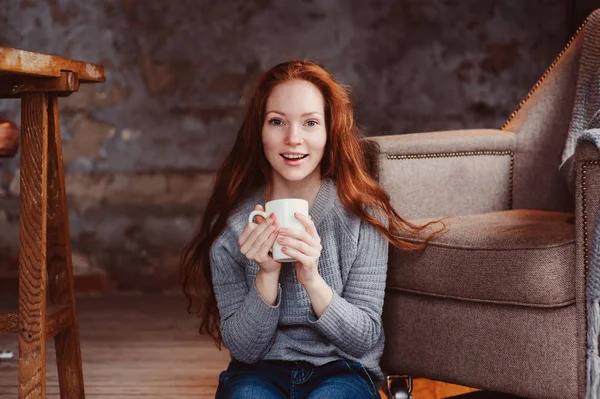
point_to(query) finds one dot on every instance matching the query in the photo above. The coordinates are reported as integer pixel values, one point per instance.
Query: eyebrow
(304, 114)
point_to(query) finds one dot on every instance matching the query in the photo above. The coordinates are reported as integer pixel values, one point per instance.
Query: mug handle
(255, 213)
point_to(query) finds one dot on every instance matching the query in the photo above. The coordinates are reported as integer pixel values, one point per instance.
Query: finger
(295, 254)
(256, 232)
(298, 245)
(260, 228)
(268, 243)
(300, 234)
(265, 236)
(259, 219)
(260, 248)
(246, 233)
(307, 223)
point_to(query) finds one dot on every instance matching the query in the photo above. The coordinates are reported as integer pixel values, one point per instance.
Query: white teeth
(292, 156)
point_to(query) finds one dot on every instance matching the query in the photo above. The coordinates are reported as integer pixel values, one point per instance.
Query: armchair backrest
(541, 124)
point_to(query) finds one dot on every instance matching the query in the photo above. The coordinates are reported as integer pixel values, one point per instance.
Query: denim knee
(247, 387)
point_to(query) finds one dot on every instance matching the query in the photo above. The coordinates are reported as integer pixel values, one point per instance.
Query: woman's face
(294, 133)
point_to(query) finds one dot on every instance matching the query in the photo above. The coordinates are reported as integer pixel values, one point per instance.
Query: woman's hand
(256, 242)
(305, 247)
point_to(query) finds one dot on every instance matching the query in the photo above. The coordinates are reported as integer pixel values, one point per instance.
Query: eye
(312, 123)
(275, 122)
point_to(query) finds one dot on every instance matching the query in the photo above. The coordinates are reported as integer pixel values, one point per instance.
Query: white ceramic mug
(284, 211)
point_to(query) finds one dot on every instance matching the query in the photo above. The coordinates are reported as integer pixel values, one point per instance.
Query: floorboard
(146, 346)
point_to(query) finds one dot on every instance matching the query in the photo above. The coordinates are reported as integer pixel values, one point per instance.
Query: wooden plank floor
(134, 346)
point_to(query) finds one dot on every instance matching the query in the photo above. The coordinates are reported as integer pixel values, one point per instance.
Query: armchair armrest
(447, 173)
(587, 206)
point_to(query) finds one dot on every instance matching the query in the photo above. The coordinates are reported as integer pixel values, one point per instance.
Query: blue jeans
(340, 379)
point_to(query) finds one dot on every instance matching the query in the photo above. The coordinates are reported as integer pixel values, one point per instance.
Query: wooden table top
(20, 62)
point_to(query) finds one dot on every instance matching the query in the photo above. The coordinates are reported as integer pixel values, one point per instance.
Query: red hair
(246, 168)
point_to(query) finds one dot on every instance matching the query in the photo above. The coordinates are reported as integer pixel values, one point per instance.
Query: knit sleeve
(352, 321)
(248, 323)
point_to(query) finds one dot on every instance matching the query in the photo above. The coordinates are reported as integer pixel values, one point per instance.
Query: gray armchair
(498, 301)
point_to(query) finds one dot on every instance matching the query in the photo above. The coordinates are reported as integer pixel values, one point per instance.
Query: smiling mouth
(294, 157)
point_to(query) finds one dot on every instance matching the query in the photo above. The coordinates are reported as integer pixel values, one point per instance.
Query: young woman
(311, 328)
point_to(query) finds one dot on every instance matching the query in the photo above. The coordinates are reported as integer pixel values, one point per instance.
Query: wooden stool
(45, 249)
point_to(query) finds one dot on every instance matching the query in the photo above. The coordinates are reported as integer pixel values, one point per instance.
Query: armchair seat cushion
(521, 257)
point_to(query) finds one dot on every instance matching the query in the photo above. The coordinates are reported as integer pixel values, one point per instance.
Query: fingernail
(272, 216)
(282, 231)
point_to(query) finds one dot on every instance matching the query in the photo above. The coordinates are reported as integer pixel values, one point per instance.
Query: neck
(307, 188)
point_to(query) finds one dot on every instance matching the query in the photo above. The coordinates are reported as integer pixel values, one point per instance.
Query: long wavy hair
(246, 168)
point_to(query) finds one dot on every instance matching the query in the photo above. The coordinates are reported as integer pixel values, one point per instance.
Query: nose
(292, 136)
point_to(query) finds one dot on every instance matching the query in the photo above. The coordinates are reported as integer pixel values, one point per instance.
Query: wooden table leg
(60, 268)
(32, 251)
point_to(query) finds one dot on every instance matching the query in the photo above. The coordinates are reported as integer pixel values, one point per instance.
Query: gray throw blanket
(585, 126)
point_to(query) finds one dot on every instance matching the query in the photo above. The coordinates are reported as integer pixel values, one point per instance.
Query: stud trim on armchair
(586, 253)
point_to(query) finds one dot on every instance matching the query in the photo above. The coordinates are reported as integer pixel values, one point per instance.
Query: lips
(295, 161)
(293, 157)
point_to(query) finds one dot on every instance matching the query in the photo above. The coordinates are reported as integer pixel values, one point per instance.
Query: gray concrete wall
(141, 148)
